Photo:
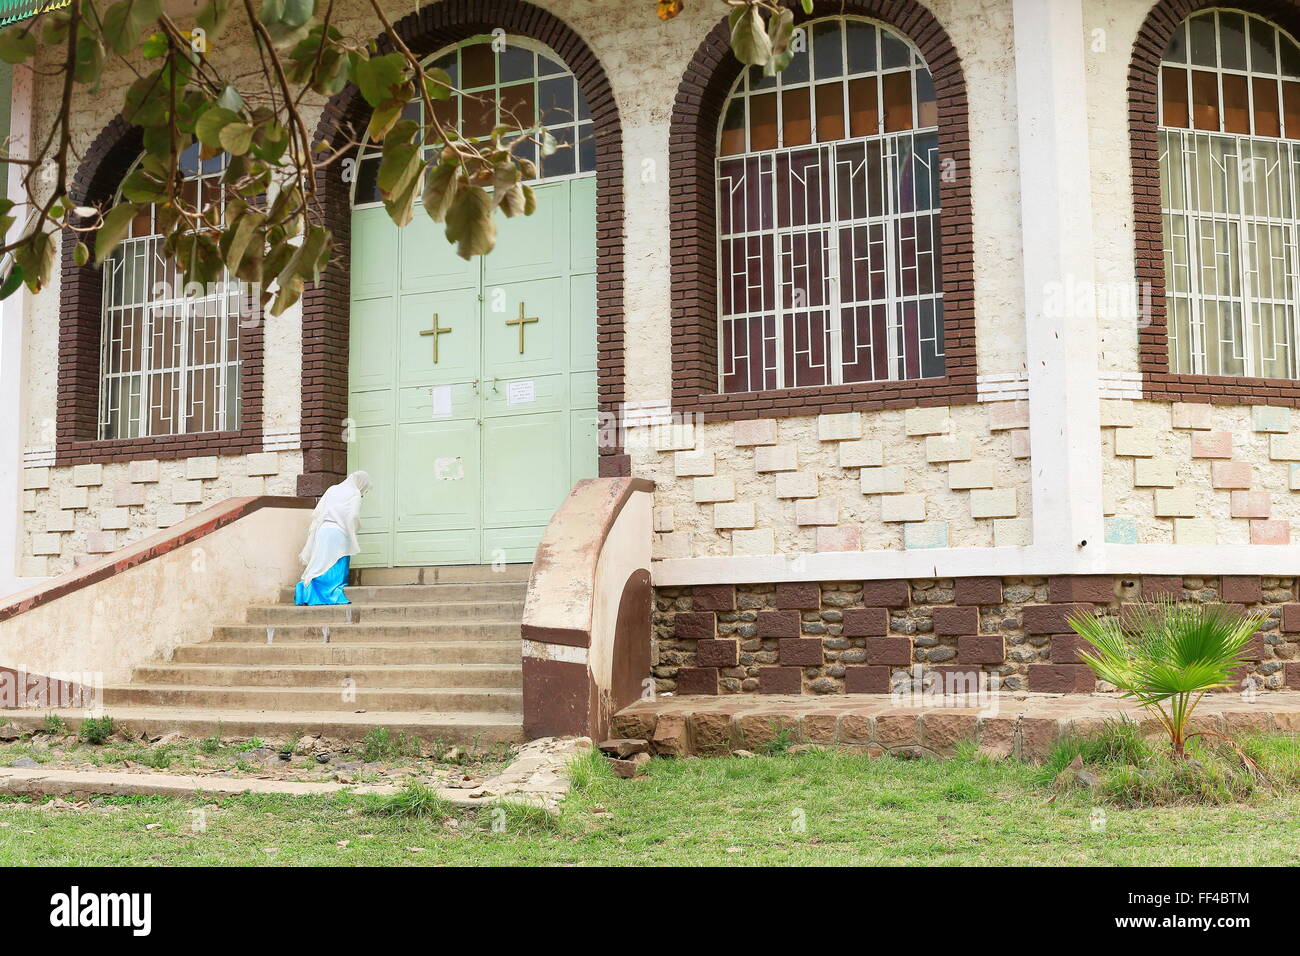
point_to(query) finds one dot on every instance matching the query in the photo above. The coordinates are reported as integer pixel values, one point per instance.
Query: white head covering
(333, 531)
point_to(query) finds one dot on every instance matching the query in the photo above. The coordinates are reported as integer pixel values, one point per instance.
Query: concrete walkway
(1023, 725)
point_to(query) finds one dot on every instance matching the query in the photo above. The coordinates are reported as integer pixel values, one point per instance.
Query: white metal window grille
(1229, 173)
(503, 85)
(169, 356)
(828, 217)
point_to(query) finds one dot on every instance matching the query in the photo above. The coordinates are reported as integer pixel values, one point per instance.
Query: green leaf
(90, 58)
(230, 99)
(470, 224)
(126, 20)
(780, 30)
(437, 82)
(807, 7)
(146, 101)
(17, 43)
(213, 17)
(143, 187)
(211, 123)
(236, 138)
(35, 255)
(80, 254)
(12, 281)
(440, 186)
(379, 78)
(749, 39)
(116, 224)
(236, 241)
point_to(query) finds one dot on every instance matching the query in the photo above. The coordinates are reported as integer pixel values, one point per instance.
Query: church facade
(979, 314)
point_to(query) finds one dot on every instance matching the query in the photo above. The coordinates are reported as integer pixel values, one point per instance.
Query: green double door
(472, 385)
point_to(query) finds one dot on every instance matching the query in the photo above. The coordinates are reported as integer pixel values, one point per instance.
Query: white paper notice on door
(521, 392)
(440, 400)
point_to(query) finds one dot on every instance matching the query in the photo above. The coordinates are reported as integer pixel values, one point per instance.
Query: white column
(1061, 346)
(13, 322)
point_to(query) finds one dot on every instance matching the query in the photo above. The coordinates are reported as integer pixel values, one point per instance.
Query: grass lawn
(814, 808)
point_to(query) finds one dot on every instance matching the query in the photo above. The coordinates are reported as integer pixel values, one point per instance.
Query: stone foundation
(855, 637)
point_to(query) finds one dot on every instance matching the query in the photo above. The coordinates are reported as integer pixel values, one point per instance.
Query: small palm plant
(1167, 656)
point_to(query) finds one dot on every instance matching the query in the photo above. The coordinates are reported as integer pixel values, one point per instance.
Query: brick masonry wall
(857, 637)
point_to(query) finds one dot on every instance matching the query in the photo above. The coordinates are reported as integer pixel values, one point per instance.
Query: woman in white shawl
(331, 542)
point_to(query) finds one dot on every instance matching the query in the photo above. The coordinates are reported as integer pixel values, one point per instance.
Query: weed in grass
(1117, 742)
(413, 800)
(210, 745)
(781, 741)
(380, 743)
(587, 769)
(518, 818)
(54, 724)
(96, 730)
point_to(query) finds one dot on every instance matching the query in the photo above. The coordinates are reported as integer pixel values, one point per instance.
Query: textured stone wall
(837, 637)
(918, 478)
(1193, 474)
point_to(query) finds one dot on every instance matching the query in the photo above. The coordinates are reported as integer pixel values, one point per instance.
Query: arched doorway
(472, 397)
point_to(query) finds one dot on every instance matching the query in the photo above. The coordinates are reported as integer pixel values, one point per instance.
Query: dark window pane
(1232, 40)
(547, 67)
(1176, 52)
(515, 63)
(796, 117)
(762, 122)
(1263, 55)
(860, 39)
(1202, 38)
(479, 64)
(479, 114)
(1291, 109)
(797, 71)
(927, 108)
(1173, 92)
(517, 109)
(893, 51)
(733, 129)
(758, 80)
(830, 112)
(368, 181)
(1205, 100)
(864, 107)
(586, 148)
(897, 88)
(1236, 104)
(555, 100)
(828, 58)
(1267, 121)
(1290, 56)
(563, 161)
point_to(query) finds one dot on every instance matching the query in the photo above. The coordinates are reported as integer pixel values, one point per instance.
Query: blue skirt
(326, 589)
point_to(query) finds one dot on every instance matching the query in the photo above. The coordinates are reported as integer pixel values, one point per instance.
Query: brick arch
(1158, 383)
(103, 167)
(692, 144)
(326, 304)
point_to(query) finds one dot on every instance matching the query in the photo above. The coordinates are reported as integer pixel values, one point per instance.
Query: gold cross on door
(435, 332)
(522, 322)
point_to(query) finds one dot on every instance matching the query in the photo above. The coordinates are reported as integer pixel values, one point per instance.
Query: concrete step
(447, 574)
(375, 613)
(479, 699)
(461, 728)
(395, 632)
(425, 676)
(376, 653)
(429, 593)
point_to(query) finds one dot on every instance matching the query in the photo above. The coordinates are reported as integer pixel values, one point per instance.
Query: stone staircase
(431, 652)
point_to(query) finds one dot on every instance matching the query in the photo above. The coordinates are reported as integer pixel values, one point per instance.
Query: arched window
(520, 86)
(828, 216)
(1229, 152)
(169, 354)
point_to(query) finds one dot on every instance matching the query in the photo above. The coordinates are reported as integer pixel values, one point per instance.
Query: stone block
(692, 464)
(29, 501)
(800, 652)
(757, 431)
(1293, 478)
(46, 544)
(844, 537)
(1117, 413)
(1241, 589)
(935, 420)
(945, 732)
(186, 492)
(169, 515)
(841, 426)
(675, 544)
(1193, 415)
(1273, 531)
(74, 498)
(1155, 473)
(1270, 418)
(1051, 618)
(1195, 531)
(59, 521)
(717, 653)
(780, 680)
(921, 535)
(898, 730)
(708, 490)
(663, 519)
(866, 680)
(887, 480)
(952, 621)
(980, 649)
(777, 623)
(816, 511)
(868, 622)
(114, 519)
(1162, 585)
(866, 453)
(101, 542)
(713, 597)
(695, 625)
(1120, 530)
(799, 596)
(945, 448)
(1251, 504)
(753, 541)
(88, 475)
(1020, 444)
(796, 484)
(993, 503)
(1135, 443)
(201, 468)
(1231, 475)
(890, 592)
(1177, 502)
(262, 463)
(1011, 532)
(674, 436)
(1068, 648)
(696, 680)
(147, 471)
(977, 591)
(733, 514)
(963, 475)
(889, 651)
(670, 737)
(1061, 679)
(1212, 445)
(1008, 415)
(128, 495)
(1093, 588)
(769, 458)
(1284, 447)
(902, 508)
(36, 479)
